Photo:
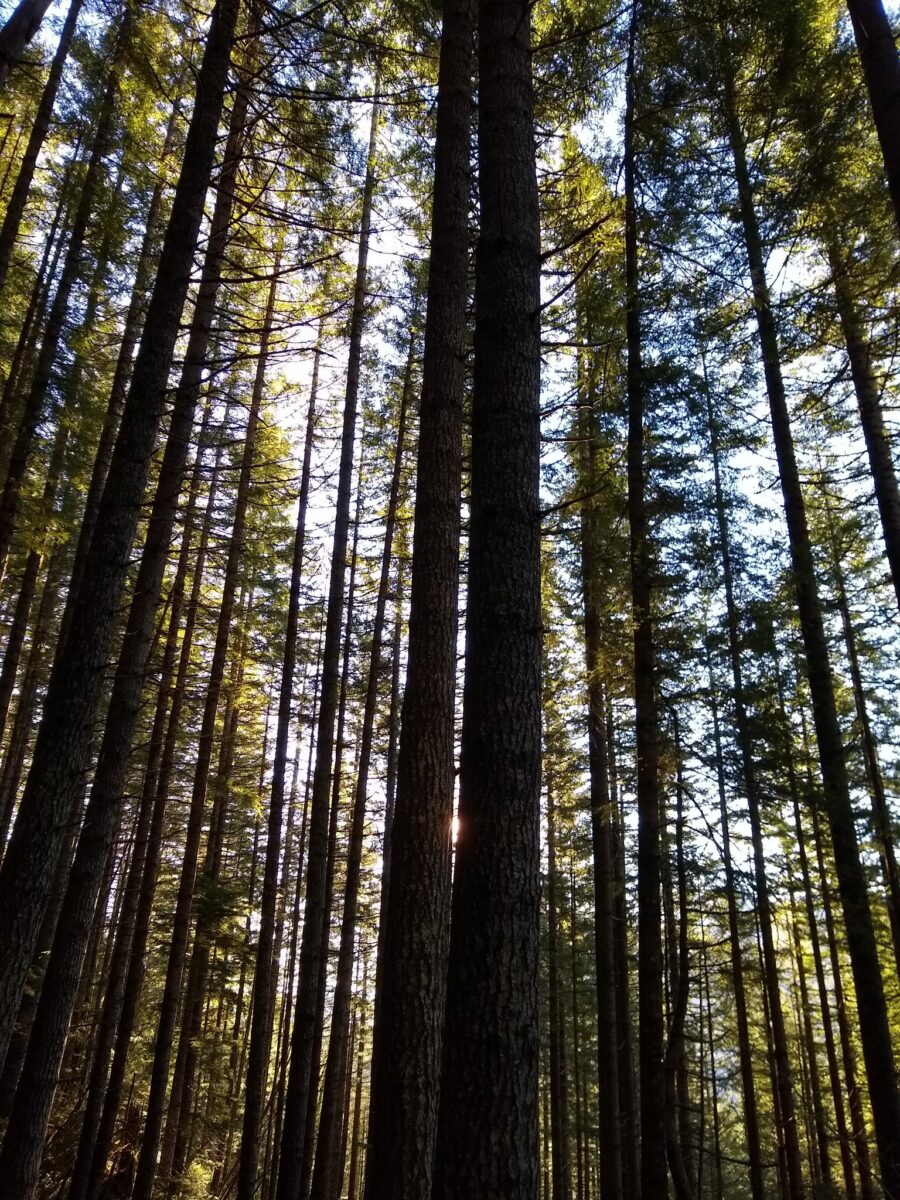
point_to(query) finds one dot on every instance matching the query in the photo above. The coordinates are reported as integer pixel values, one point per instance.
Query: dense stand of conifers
(449, 600)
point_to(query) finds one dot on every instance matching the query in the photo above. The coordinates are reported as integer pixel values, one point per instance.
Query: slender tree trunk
(871, 417)
(602, 820)
(880, 809)
(157, 786)
(676, 1116)
(300, 1086)
(559, 1085)
(409, 997)
(119, 387)
(870, 999)
(650, 958)
(63, 745)
(73, 266)
(489, 1089)
(848, 1052)
(147, 1163)
(327, 1174)
(751, 1115)
(265, 973)
(12, 218)
(125, 926)
(22, 611)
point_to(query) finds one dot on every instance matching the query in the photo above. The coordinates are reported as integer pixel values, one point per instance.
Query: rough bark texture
(407, 1035)
(62, 750)
(881, 67)
(487, 1143)
(21, 26)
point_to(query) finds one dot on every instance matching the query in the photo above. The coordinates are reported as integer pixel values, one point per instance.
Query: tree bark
(880, 61)
(487, 1140)
(870, 998)
(12, 218)
(406, 1039)
(63, 745)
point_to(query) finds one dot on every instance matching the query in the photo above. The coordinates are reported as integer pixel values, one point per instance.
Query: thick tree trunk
(406, 1043)
(877, 47)
(487, 1141)
(63, 745)
(21, 26)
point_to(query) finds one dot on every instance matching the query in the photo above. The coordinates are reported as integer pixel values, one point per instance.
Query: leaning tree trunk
(877, 47)
(36, 397)
(12, 218)
(871, 416)
(21, 26)
(871, 1005)
(62, 751)
(489, 1087)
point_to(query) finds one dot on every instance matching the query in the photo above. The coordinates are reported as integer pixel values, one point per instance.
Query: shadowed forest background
(449, 585)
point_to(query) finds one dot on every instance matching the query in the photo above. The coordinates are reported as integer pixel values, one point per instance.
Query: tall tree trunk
(877, 47)
(147, 1163)
(650, 957)
(21, 26)
(489, 1088)
(63, 745)
(870, 999)
(602, 821)
(883, 822)
(265, 972)
(157, 785)
(12, 218)
(327, 1173)
(871, 416)
(73, 266)
(300, 1086)
(125, 926)
(848, 1051)
(561, 1175)
(406, 1039)
(748, 770)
